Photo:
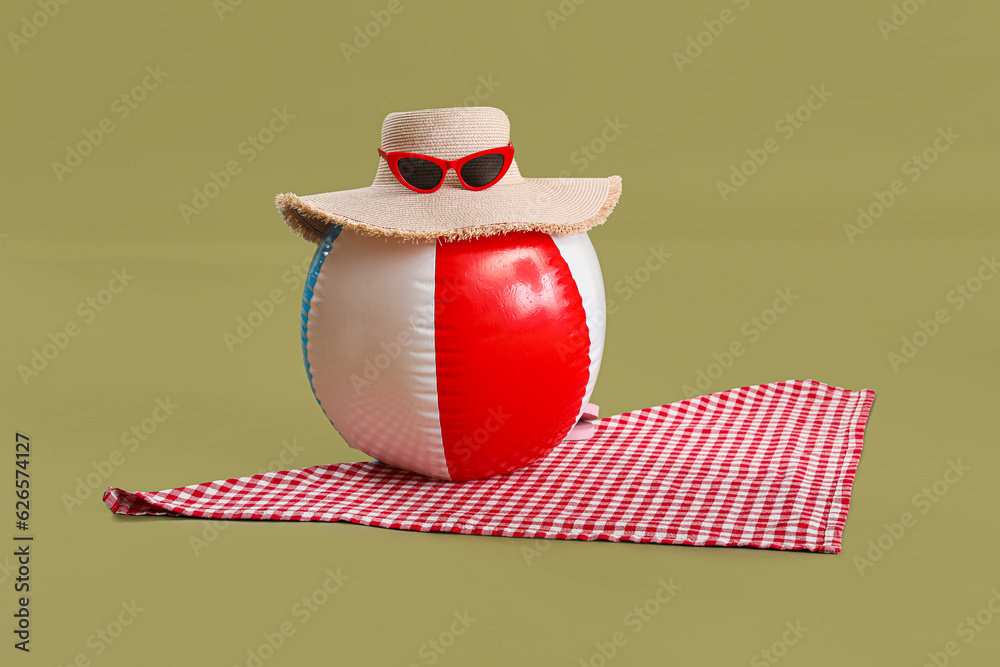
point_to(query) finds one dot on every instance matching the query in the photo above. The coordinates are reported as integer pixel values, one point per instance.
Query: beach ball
(456, 359)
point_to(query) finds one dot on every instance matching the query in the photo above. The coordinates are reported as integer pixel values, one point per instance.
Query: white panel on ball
(374, 373)
(581, 257)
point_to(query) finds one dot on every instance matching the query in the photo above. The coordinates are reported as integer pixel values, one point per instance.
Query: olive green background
(209, 590)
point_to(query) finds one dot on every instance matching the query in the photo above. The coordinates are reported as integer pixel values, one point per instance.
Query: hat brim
(551, 205)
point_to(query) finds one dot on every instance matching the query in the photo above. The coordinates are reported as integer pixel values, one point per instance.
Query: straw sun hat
(512, 202)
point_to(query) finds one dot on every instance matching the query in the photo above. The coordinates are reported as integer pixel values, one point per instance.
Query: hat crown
(447, 134)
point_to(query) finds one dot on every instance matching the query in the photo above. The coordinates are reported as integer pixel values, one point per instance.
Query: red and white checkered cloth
(768, 466)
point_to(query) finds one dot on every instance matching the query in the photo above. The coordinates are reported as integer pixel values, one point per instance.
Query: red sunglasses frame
(392, 159)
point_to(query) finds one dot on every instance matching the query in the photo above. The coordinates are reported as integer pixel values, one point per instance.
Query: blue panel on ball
(332, 232)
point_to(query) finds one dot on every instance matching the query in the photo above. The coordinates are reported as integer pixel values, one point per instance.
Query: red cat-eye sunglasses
(424, 173)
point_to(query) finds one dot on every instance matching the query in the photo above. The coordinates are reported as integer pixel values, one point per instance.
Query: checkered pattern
(768, 466)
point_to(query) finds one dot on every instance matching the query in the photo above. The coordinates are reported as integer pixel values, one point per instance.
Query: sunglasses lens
(421, 174)
(482, 170)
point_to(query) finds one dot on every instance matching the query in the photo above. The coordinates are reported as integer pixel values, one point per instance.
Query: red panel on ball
(512, 350)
